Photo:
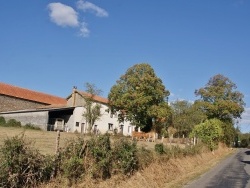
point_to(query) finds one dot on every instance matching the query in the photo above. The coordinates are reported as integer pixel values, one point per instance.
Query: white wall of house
(105, 123)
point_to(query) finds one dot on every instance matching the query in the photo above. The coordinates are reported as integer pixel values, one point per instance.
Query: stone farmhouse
(51, 112)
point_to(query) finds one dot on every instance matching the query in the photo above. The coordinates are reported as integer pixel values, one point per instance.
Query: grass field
(44, 141)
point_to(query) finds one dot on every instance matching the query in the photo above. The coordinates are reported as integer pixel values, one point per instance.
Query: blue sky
(51, 46)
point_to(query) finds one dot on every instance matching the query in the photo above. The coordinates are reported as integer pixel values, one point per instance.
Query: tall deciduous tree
(92, 109)
(141, 96)
(185, 116)
(220, 99)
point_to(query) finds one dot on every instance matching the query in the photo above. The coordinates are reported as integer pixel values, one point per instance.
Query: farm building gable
(17, 98)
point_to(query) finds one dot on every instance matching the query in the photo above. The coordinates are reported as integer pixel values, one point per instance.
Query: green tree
(140, 96)
(92, 111)
(220, 99)
(185, 116)
(209, 132)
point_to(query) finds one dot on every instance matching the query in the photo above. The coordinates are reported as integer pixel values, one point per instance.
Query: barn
(51, 112)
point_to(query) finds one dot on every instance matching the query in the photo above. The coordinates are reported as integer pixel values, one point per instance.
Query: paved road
(234, 172)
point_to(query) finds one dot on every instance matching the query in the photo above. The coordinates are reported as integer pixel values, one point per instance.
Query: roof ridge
(28, 94)
(95, 97)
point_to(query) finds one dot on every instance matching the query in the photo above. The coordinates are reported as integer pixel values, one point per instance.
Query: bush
(71, 159)
(22, 166)
(73, 169)
(2, 121)
(13, 123)
(159, 148)
(244, 143)
(100, 152)
(30, 126)
(124, 156)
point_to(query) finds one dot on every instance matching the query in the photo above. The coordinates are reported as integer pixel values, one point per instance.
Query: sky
(51, 46)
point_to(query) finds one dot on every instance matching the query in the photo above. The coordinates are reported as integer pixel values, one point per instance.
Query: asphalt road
(233, 172)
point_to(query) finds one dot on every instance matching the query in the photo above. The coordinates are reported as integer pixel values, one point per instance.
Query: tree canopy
(140, 95)
(185, 116)
(220, 99)
(209, 132)
(92, 111)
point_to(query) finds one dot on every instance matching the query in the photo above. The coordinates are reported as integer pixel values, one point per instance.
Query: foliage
(229, 133)
(171, 131)
(73, 169)
(100, 151)
(139, 96)
(71, 164)
(243, 137)
(159, 148)
(2, 121)
(220, 99)
(125, 157)
(145, 157)
(209, 132)
(13, 123)
(92, 110)
(244, 143)
(22, 166)
(30, 126)
(177, 151)
(185, 116)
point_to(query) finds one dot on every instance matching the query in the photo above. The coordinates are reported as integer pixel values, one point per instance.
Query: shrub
(244, 143)
(73, 169)
(30, 126)
(22, 166)
(159, 148)
(210, 132)
(100, 152)
(124, 157)
(2, 121)
(13, 123)
(71, 159)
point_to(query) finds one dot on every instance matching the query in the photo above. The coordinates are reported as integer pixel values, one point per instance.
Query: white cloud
(87, 6)
(245, 119)
(84, 31)
(63, 15)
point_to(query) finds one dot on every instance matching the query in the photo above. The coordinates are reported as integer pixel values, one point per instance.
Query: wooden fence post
(57, 142)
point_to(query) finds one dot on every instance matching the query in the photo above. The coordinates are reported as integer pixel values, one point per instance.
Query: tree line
(139, 96)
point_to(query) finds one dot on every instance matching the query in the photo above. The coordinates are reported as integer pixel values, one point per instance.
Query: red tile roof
(17, 92)
(95, 97)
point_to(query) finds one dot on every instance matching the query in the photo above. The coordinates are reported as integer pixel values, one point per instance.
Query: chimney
(74, 96)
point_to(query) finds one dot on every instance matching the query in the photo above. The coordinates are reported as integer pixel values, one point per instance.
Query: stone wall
(37, 118)
(12, 104)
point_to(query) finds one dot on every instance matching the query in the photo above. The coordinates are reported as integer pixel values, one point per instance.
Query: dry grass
(44, 141)
(172, 173)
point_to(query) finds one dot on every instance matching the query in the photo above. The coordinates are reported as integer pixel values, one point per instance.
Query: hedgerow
(23, 166)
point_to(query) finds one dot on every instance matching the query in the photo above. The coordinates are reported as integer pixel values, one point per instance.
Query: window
(110, 127)
(77, 124)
